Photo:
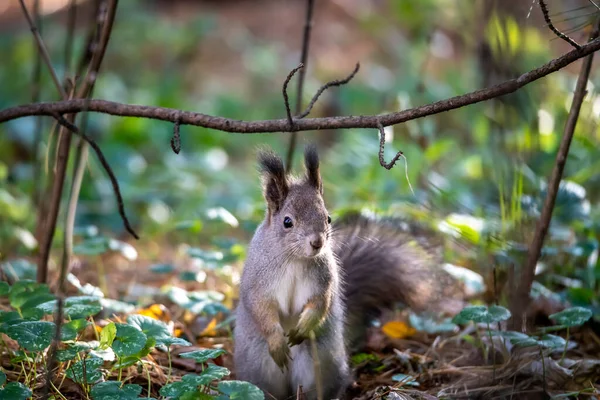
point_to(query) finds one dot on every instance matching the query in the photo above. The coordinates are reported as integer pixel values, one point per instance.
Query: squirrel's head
(296, 213)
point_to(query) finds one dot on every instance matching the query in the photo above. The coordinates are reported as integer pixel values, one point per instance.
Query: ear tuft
(275, 183)
(311, 161)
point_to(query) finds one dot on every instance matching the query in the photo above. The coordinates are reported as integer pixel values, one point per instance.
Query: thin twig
(282, 125)
(286, 100)
(35, 97)
(337, 82)
(310, 5)
(521, 299)
(72, 18)
(42, 49)
(558, 33)
(391, 164)
(115, 184)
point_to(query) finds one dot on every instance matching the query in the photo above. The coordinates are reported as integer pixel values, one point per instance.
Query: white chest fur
(292, 290)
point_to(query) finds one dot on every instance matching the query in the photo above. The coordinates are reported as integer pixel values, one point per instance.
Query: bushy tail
(384, 264)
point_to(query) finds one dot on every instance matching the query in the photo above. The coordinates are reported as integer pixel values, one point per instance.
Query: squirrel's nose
(317, 243)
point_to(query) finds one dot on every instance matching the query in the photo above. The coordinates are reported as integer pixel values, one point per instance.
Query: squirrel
(308, 286)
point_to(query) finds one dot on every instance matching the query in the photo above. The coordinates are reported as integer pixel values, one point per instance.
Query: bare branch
(337, 82)
(282, 125)
(113, 180)
(520, 300)
(310, 5)
(42, 49)
(286, 100)
(553, 28)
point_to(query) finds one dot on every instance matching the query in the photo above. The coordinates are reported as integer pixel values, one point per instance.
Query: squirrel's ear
(311, 161)
(275, 183)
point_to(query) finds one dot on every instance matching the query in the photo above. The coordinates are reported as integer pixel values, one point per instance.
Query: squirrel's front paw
(309, 321)
(279, 349)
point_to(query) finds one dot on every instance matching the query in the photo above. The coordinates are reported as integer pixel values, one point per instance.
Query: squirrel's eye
(287, 222)
(329, 219)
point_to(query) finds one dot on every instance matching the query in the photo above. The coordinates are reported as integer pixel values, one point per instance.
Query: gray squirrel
(308, 286)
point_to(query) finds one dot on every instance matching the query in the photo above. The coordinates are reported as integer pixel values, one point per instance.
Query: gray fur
(283, 272)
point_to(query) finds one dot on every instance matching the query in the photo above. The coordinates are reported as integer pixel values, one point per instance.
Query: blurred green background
(478, 173)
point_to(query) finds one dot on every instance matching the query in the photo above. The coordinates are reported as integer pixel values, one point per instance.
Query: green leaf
(92, 371)
(128, 361)
(32, 335)
(203, 355)
(112, 390)
(497, 314)
(71, 352)
(406, 380)
(197, 395)
(23, 291)
(213, 373)
(552, 342)
(241, 390)
(175, 341)
(517, 338)
(151, 327)
(481, 314)
(2, 378)
(15, 391)
(70, 330)
(150, 343)
(128, 341)
(429, 325)
(574, 316)
(75, 307)
(4, 288)
(107, 336)
(188, 383)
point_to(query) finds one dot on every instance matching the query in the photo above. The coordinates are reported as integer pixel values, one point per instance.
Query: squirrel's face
(303, 223)
(296, 212)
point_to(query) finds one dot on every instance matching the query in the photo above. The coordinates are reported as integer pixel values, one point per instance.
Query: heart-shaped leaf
(517, 338)
(203, 355)
(23, 291)
(151, 327)
(128, 341)
(175, 341)
(213, 373)
(112, 390)
(32, 335)
(482, 314)
(70, 330)
(74, 307)
(92, 371)
(188, 383)
(552, 342)
(239, 390)
(574, 316)
(15, 391)
(71, 352)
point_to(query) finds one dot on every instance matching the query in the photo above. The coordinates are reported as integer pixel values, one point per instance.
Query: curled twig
(337, 82)
(115, 184)
(286, 99)
(385, 165)
(558, 33)
(398, 155)
(176, 139)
